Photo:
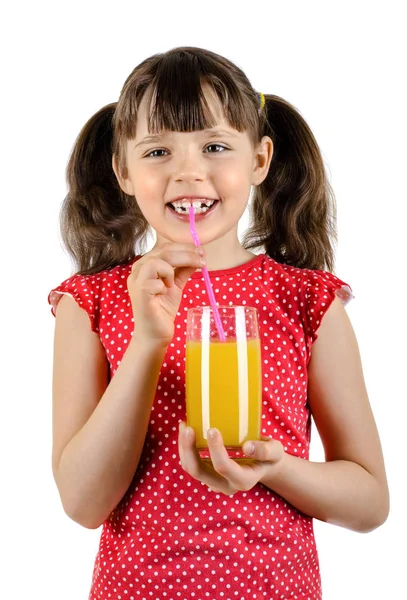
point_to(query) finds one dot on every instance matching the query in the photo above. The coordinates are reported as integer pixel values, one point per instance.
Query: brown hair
(293, 212)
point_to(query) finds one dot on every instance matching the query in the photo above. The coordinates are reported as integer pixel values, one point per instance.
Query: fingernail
(248, 448)
(201, 251)
(211, 433)
(187, 432)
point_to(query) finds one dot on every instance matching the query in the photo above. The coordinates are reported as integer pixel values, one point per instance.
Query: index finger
(176, 247)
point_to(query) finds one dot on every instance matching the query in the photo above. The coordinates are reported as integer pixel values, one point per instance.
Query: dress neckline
(226, 272)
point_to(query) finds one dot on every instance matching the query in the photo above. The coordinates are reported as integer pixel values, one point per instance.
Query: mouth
(202, 207)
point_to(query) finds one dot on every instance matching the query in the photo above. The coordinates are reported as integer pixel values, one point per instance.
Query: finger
(155, 268)
(192, 463)
(182, 275)
(185, 258)
(173, 263)
(174, 246)
(176, 269)
(149, 265)
(177, 255)
(155, 287)
(171, 253)
(266, 449)
(184, 264)
(188, 452)
(225, 466)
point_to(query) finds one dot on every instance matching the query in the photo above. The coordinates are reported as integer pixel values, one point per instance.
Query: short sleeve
(81, 289)
(321, 289)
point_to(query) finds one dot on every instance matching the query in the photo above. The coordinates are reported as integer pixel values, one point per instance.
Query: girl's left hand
(224, 474)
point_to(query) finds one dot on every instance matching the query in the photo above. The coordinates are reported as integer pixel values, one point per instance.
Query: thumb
(266, 449)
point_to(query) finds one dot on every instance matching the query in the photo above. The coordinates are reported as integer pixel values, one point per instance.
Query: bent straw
(206, 276)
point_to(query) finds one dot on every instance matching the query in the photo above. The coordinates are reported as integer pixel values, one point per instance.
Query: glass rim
(221, 306)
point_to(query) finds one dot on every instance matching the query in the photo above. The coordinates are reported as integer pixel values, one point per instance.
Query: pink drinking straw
(208, 283)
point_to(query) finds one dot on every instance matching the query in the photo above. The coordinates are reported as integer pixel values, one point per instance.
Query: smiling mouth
(200, 206)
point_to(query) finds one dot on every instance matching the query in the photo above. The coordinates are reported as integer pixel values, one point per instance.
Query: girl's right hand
(155, 286)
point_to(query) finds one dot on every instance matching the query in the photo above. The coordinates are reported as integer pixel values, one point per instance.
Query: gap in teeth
(183, 206)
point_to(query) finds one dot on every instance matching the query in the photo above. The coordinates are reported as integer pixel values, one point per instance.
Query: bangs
(173, 85)
(177, 100)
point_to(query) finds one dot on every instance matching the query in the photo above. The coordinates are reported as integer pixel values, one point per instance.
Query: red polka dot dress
(171, 537)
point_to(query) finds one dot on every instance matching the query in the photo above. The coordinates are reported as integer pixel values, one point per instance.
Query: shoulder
(322, 290)
(313, 281)
(311, 286)
(90, 291)
(99, 280)
(305, 294)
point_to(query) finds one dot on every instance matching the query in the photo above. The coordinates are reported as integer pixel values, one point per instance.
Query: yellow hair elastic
(262, 100)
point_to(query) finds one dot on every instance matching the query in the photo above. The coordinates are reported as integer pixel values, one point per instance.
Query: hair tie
(262, 99)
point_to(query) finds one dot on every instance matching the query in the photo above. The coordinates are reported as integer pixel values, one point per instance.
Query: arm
(350, 488)
(98, 429)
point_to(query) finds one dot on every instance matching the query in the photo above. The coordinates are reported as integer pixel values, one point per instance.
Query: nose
(189, 168)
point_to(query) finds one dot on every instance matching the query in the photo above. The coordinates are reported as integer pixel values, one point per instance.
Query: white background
(341, 64)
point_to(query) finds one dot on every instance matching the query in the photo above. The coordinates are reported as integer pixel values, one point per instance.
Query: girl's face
(220, 164)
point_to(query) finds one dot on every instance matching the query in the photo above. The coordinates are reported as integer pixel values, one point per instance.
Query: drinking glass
(223, 378)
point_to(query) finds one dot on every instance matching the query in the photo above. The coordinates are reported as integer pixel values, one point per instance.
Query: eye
(216, 146)
(153, 153)
(156, 156)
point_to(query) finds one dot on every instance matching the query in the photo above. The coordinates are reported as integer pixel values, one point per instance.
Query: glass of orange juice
(223, 378)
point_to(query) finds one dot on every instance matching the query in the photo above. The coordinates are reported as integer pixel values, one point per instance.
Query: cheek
(234, 182)
(146, 184)
(232, 174)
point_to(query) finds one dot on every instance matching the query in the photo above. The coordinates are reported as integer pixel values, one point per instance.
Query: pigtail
(294, 209)
(99, 222)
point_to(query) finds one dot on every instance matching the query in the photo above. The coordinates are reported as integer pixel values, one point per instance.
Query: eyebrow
(212, 133)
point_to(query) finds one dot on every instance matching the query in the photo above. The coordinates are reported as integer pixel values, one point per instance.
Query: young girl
(189, 127)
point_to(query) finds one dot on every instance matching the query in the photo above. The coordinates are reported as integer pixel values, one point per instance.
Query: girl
(189, 127)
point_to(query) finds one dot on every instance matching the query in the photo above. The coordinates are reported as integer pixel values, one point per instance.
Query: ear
(121, 176)
(262, 160)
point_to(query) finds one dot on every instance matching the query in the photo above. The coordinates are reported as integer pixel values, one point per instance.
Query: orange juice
(223, 389)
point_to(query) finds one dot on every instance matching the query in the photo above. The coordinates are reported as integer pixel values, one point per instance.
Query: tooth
(183, 205)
